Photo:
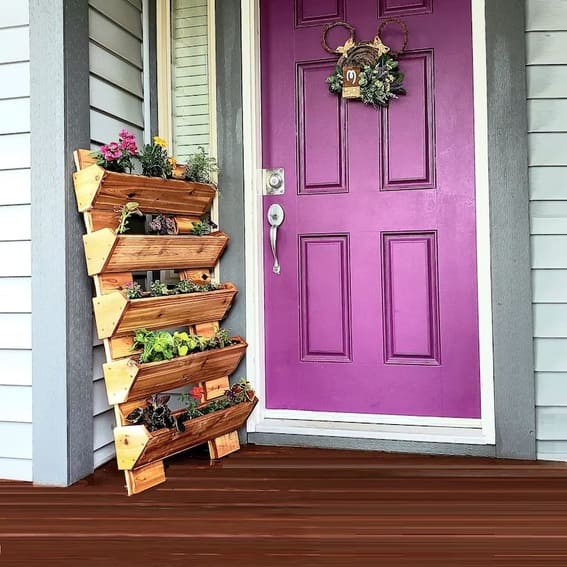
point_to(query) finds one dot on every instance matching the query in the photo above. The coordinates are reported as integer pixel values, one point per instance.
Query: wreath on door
(367, 70)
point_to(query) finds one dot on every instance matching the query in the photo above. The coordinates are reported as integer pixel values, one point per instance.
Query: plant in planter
(154, 159)
(185, 343)
(134, 291)
(118, 156)
(201, 228)
(188, 286)
(162, 345)
(163, 224)
(155, 345)
(159, 289)
(220, 339)
(237, 394)
(192, 400)
(125, 212)
(201, 168)
(156, 415)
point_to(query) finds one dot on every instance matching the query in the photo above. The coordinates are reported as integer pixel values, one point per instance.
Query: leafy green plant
(220, 339)
(125, 212)
(201, 167)
(154, 159)
(155, 415)
(155, 345)
(163, 224)
(159, 289)
(162, 345)
(201, 228)
(134, 291)
(186, 343)
(188, 286)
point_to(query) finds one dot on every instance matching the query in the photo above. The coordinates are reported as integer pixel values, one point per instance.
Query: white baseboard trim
(469, 436)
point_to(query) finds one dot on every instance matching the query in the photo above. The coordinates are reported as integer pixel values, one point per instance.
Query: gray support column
(230, 154)
(510, 230)
(61, 291)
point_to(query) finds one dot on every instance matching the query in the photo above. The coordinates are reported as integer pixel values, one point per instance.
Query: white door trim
(406, 428)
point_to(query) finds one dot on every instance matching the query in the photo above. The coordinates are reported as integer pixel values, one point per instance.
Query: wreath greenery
(379, 83)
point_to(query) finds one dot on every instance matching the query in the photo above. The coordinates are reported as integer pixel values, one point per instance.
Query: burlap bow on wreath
(366, 70)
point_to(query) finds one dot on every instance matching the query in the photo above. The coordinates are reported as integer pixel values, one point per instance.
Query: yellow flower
(160, 142)
(172, 161)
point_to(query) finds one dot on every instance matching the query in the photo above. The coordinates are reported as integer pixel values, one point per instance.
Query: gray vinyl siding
(117, 101)
(546, 37)
(15, 244)
(190, 77)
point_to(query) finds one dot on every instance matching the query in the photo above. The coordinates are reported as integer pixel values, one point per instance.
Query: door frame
(430, 429)
(443, 430)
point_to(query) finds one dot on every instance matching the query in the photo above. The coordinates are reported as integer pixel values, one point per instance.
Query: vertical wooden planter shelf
(111, 261)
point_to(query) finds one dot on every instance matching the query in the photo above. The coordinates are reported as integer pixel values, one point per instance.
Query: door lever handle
(275, 218)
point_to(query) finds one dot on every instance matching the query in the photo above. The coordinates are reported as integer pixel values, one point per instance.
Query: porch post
(61, 292)
(514, 393)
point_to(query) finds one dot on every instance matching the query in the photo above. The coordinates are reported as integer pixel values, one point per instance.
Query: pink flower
(125, 135)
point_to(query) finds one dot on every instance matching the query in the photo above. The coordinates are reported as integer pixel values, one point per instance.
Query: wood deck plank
(269, 506)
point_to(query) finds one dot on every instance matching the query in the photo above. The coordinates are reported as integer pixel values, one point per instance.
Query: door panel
(375, 309)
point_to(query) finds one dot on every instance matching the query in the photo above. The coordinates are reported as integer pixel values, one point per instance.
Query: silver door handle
(275, 218)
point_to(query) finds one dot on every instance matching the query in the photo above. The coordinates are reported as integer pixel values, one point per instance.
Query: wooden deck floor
(279, 506)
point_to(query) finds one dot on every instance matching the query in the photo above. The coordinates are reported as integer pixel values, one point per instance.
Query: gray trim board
(510, 230)
(61, 291)
(231, 159)
(230, 154)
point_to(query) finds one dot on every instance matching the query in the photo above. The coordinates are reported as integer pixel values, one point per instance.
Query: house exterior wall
(15, 244)
(546, 42)
(116, 102)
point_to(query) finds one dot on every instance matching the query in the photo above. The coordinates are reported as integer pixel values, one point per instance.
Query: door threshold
(390, 432)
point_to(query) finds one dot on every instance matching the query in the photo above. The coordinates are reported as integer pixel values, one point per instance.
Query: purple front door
(375, 309)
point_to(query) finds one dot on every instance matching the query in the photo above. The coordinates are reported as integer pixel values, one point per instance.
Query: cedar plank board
(168, 442)
(153, 194)
(154, 377)
(163, 312)
(131, 253)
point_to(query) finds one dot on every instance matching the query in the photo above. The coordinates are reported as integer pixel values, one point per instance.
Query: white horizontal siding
(15, 245)
(16, 259)
(16, 368)
(15, 222)
(14, 43)
(15, 295)
(16, 404)
(16, 469)
(117, 102)
(15, 331)
(15, 187)
(190, 77)
(15, 440)
(546, 52)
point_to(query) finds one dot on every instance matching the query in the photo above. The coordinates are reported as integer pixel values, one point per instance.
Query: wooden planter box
(128, 380)
(116, 315)
(97, 188)
(108, 252)
(136, 446)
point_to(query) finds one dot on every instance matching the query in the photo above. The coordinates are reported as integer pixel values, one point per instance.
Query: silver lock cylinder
(273, 181)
